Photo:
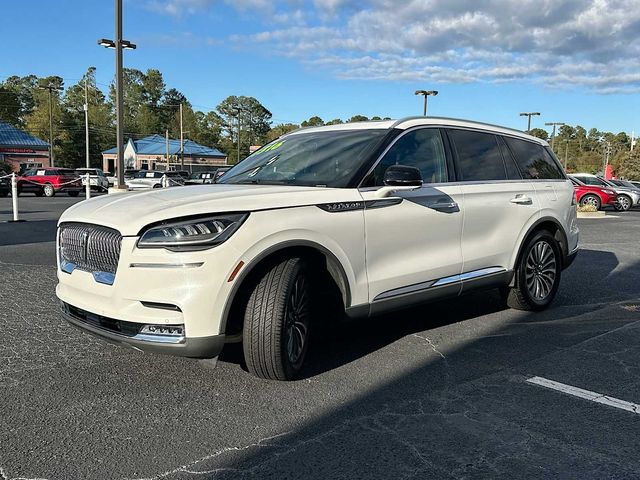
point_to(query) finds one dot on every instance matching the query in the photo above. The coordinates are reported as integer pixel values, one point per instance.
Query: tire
(277, 322)
(73, 194)
(157, 185)
(537, 274)
(591, 199)
(48, 190)
(623, 203)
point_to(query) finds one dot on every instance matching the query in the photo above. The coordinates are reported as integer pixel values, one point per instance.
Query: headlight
(195, 234)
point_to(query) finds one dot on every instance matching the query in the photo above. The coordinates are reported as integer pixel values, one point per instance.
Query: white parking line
(586, 394)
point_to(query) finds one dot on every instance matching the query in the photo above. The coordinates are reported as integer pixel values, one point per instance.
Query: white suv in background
(97, 179)
(375, 215)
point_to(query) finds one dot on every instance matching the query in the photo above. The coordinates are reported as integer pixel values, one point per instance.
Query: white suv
(382, 214)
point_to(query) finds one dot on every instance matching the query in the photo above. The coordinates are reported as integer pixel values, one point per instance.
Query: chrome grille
(91, 248)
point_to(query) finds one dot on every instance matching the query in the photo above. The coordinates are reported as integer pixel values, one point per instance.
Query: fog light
(172, 330)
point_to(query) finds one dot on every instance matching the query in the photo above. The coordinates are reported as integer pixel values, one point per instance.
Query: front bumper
(124, 333)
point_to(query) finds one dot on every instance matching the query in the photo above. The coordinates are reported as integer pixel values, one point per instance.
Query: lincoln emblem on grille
(85, 243)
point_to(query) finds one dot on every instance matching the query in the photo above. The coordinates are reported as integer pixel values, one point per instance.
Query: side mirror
(402, 176)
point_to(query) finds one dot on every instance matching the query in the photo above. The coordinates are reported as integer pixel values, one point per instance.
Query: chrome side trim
(403, 290)
(166, 265)
(469, 275)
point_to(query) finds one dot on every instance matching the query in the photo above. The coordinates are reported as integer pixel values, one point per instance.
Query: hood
(131, 212)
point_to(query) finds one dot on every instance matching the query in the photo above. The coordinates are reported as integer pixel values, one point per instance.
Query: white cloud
(593, 44)
(587, 43)
(178, 8)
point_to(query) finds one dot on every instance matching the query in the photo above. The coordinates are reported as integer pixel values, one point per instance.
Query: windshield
(326, 158)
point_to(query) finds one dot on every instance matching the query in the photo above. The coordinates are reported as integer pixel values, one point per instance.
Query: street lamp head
(420, 92)
(106, 43)
(432, 92)
(127, 45)
(426, 92)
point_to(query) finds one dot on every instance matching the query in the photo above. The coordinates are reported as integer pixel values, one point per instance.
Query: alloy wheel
(540, 270)
(624, 202)
(297, 320)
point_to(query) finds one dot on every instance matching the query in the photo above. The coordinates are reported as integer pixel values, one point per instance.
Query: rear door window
(478, 156)
(533, 160)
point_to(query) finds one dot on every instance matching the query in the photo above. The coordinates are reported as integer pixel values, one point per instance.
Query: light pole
(237, 109)
(119, 44)
(553, 134)
(426, 94)
(566, 153)
(529, 114)
(58, 88)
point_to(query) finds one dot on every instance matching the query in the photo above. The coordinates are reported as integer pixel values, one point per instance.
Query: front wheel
(277, 321)
(623, 203)
(537, 274)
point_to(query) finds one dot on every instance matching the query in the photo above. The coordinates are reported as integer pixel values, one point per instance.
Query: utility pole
(50, 86)
(119, 44)
(607, 152)
(237, 109)
(553, 134)
(426, 94)
(181, 141)
(166, 139)
(86, 120)
(566, 153)
(529, 114)
(633, 140)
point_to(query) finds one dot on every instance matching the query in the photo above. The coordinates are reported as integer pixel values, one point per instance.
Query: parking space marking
(586, 394)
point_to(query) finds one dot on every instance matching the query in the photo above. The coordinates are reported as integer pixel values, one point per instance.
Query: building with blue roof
(21, 150)
(150, 153)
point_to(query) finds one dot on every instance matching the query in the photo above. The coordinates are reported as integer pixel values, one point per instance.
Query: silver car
(146, 179)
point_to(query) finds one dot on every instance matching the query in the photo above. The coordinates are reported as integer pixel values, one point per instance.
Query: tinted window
(422, 149)
(592, 181)
(533, 159)
(513, 172)
(478, 155)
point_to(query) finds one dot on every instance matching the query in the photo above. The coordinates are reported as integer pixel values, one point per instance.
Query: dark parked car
(5, 184)
(201, 178)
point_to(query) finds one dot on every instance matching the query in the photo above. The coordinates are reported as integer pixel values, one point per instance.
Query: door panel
(414, 241)
(494, 215)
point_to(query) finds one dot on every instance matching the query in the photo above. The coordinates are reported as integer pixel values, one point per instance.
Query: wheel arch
(553, 226)
(281, 250)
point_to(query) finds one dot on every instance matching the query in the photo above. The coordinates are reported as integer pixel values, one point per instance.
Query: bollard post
(14, 198)
(87, 188)
(165, 181)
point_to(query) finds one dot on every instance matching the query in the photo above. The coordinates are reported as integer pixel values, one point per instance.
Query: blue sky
(572, 60)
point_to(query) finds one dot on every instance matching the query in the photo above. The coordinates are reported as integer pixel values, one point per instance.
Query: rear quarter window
(533, 160)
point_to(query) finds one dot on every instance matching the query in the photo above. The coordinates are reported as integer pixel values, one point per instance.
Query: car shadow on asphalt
(464, 411)
(32, 231)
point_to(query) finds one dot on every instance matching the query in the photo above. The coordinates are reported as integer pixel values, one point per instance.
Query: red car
(48, 181)
(592, 195)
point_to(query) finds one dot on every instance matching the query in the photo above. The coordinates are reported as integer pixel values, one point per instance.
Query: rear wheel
(591, 200)
(623, 203)
(537, 274)
(48, 190)
(277, 321)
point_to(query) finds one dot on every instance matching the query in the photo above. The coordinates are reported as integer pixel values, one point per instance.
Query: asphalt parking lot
(439, 391)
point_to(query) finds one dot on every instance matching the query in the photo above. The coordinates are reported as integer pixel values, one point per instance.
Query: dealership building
(150, 153)
(22, 150)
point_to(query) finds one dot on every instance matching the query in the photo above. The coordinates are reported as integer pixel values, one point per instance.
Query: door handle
(444, 205)
(521, 199)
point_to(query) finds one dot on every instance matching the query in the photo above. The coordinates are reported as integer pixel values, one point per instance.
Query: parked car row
(598, 192)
